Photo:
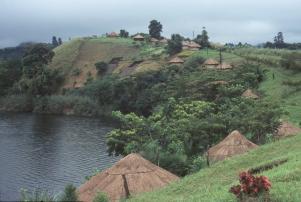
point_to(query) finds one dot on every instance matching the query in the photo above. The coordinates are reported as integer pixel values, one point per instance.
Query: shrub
(37, 195)
(251, 187)
(69, 193)
(101, 197)
(76, 72)
(101, 67)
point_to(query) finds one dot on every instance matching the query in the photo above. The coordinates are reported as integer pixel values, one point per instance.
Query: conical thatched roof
(138, 36)
(249, 94)
(154, 40)
(287, 129)
(129, 176)
(176, 60)
(235, 143)
(211, 61)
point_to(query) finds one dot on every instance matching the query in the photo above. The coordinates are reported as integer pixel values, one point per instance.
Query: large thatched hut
(287, 129)
(235, 143)
(250, 94)
(211, 63)
(129, 176)
(190, 45)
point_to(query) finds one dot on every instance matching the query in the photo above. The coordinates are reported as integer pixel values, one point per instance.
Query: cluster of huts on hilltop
(133, 174)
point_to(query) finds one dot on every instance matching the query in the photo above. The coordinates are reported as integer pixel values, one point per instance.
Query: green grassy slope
(287, 96)
(212, 184)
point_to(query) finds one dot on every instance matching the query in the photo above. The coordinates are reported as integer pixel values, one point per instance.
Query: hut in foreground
(250, 94)
(287, 129)
(235, 143)
(129, 176)
(176, 60)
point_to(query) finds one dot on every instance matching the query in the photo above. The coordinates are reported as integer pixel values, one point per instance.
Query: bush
(101, 67)
(69, 193)
(251, 187)
(37, 196)
(101, 197)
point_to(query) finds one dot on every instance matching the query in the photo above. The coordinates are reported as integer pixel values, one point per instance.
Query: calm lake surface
(47, 152)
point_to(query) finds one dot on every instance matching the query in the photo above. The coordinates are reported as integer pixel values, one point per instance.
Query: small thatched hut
(164, 41)
(112, 34)
(250, 94)
(190, 45)
(176, 60)
(211, 63)
(287, 129)
(235, 143)
(154, 40)
(138, 37)
(129, 176)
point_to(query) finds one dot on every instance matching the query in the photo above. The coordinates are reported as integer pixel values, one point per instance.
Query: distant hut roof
(112, 34)
(287, 129)
(235, 143)
(250, 94)
(176, 60)
(193, 44)
(164, 40)
(154, 40)
(138, 36)
(129, 176)
(211, 61)
(225, 66)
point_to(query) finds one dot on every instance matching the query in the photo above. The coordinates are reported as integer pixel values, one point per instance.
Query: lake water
(46, 152)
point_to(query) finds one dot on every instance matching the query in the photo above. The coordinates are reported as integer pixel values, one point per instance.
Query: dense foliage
(174, 44)
(155, 29)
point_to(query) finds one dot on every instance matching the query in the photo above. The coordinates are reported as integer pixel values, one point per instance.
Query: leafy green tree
(69, 193)
(203, 39)
(279, 40)
(174, 44)
(60, 42)
(123, 33)
(55, 43)
(10, 73)
(155, 29)
(101, 67)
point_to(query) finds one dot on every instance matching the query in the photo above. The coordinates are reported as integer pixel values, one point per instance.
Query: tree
(101, 67)
(54, 41)
(60, 42)
(155, 29)
(123, 33)
(10, 72)
(69, 194)
(203, 39)
(279, 40)
(174, 44)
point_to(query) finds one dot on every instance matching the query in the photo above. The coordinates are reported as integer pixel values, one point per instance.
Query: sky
(251, 21)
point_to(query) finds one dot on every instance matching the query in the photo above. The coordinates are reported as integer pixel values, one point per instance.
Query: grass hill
(212, 184)
(77, 58)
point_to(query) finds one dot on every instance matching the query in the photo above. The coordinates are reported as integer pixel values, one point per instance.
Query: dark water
(47, 152)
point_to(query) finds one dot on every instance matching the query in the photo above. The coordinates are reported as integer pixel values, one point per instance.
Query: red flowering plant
(251, 186)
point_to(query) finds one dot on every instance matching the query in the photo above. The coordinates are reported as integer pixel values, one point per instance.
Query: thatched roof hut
(190, 45)
(138, 37)
(164, 41)
(176, 60)
(211, 61)
(235, 143)
(129, 176)
(225, 66)
(112, 34)
(287, 129)
(154, 40)
(250, 94)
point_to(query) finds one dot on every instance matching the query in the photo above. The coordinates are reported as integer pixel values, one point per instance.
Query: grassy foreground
(212, 184)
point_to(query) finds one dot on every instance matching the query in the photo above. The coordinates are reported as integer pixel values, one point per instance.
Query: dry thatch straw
(138, 37)
(129, 176)
(287, 129)
(235, 143)
(176, 60)
(249, 94)
(211, 61)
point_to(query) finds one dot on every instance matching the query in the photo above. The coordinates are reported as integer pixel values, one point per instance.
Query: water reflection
(46, 152)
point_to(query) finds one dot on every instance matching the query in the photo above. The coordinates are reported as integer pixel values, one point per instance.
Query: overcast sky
(251, 21)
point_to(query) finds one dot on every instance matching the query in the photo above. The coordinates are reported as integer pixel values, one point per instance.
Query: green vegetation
(101, 197)
(69, 193)
(212, 184)
(174, 44)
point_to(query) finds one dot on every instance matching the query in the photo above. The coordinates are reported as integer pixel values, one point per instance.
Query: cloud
(226, 21)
